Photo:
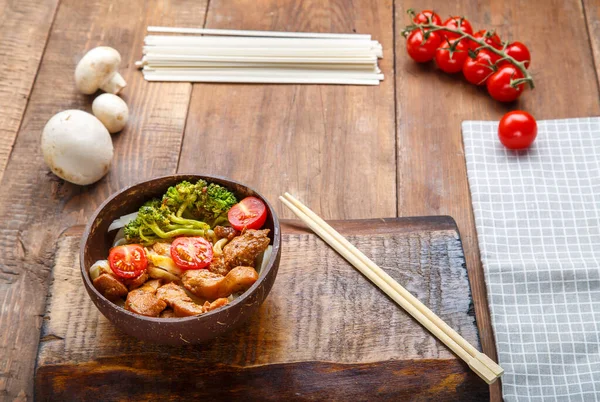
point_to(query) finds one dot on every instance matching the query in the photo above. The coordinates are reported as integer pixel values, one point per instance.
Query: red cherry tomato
(191, 252)
(127, 261)
(422, 51)
(249, 213)
(477, 70)
(519, 52)
(456, 23)
(489, 37)
(498, 84)
(451, 62)
(517, 130)
(423, 18)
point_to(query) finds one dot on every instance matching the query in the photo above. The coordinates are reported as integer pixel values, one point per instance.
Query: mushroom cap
(77, 147)
(112, 111)
(98, 66)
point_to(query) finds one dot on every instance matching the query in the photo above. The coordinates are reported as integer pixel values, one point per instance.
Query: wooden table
(348, 152)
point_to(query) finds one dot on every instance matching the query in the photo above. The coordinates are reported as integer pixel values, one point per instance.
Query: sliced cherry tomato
(519, 52)
(477, 70)
(127, 261)
(423, 18)
(191, 252)
(517, 130)
(498, 84)
(489, 37)
(249, 213)
(456, 23)
(422, 50)
(451, 61)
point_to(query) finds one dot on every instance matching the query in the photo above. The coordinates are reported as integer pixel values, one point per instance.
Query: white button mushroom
(98, 69)
(112, 111)
(77, 147)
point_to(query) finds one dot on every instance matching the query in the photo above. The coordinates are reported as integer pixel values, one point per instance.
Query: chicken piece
(218, 265)
(211, 286)
(203, 283)
(223, 232)
(215, 305)
(110, 287)
(162, 248)
(244, 249)
(143, 300)
(187, 308)
(175, 296)
(135, 283)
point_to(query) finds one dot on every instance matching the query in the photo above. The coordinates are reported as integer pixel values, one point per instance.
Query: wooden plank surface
(149, 146)
(330, 145)
(592, 14)
(324, 332)
(24, 29)
(431, 105)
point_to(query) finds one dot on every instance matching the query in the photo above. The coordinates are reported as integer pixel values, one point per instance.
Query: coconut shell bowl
(96, 243)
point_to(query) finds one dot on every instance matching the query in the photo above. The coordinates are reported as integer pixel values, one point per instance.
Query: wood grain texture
(324, 332)
(332, 146)
(34, 205)
(431, 105)
(24, 30)
(592, 14)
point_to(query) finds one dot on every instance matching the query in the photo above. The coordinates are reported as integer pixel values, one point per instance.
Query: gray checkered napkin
(537, 214)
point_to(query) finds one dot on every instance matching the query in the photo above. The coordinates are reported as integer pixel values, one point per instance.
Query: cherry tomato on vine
(423, 18)
(457, 23)
(191, 252)
(498, 84)
(517, 130)
(519, 52)
(422, 51)
(489, 37)
(477, 70)
(451, 61)
(127, 261)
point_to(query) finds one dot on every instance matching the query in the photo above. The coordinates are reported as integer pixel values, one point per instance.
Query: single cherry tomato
(498, 84)
(423, 18)
(519, 52)
(456, 23)
(489, 37)
(127, 261)
(249, 213)
(451, 61)
(517, 130)
(191, 252)
(422, 51)
(477, 70)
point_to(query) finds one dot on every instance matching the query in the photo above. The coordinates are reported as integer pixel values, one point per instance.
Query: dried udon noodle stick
(260, 57)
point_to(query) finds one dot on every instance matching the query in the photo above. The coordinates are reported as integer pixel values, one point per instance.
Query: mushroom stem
(113, 84)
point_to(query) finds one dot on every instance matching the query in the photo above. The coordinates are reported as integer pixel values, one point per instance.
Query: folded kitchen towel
(537, 214)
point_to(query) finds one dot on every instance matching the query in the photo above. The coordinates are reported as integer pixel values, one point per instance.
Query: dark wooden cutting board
(324, 333)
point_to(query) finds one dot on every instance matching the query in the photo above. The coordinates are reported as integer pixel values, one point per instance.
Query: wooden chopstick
(481, 364)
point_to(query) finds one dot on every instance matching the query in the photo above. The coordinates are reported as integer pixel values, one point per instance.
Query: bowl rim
(262, 276)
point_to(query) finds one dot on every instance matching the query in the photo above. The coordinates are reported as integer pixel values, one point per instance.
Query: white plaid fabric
(537, 214)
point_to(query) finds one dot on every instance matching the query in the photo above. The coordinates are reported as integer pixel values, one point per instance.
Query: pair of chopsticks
(480, 363)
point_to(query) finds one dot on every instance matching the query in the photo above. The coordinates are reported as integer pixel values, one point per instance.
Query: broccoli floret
(180, 197)
(156, 221)
(213, 203)
(200, 201)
